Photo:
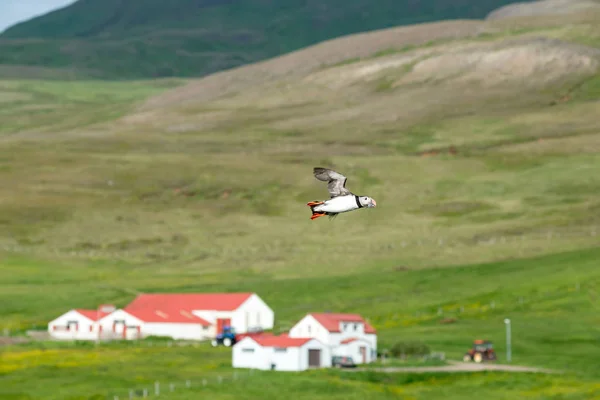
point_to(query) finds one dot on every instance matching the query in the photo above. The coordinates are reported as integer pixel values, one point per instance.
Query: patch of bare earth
(461, 367)
(303, 61)
(530, 62)
(544, 7)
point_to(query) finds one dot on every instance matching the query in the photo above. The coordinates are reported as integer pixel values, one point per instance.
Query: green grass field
(482, 155)
(552, 302)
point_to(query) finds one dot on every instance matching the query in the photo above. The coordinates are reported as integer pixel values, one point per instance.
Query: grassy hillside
(552, 302)
(151, 38)
(479, 140)
(221, 184)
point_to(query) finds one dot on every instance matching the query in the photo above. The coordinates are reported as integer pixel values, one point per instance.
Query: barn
(242, 311)
(280, 353)
(176, 324)
(186, 316)
(345, 334)
(78, 324)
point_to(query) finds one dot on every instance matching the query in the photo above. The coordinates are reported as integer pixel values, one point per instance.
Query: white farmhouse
(280, 353)
(78, 324)
(345, 334)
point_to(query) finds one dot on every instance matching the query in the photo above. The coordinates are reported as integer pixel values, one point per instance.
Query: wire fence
(167, 387)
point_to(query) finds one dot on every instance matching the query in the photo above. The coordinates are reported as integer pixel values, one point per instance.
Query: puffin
(341, 199)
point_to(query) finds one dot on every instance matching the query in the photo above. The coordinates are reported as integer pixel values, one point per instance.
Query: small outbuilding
(280, 353)
(357, 348)
(78, 324)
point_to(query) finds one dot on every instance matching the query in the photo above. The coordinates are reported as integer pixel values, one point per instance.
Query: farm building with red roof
(185, 316)
(280, 353)
(348, 335)
(79, 323)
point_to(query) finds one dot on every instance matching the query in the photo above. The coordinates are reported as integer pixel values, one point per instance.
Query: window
(355, 327)
(280, 350)
(248, 350)
(308, 328)
(345, 326)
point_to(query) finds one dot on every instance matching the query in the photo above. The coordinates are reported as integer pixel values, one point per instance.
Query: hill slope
(476, 147)
(479, 140)
(148, 38)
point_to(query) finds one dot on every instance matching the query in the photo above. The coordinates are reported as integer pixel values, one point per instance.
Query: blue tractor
(226, 338)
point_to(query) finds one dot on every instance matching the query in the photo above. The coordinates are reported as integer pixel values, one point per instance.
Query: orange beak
(374, 203)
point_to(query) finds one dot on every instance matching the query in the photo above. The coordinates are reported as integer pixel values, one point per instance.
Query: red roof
(189, 301)
(94, 315)
(167, 315)
(331, 321)
(178, 307)
(279, 341)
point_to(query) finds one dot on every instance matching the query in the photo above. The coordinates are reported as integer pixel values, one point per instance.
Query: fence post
(130, 393)
(203, 382)
(145, 392)
(171, 387)
(156, 388)
(188, 383)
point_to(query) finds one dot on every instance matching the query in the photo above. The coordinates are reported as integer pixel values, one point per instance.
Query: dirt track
(456, 366)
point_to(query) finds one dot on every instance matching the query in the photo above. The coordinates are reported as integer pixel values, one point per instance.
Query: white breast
(338, 204)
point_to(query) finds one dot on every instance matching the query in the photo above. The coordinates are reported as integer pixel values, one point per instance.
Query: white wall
(81, 333)
(253, 313)
(176, 331)
(130, 325)
(287, 359)
(249, 354)
(308, 327)
(315, 344)
(352, 329)
(372, 339)
(352, 349)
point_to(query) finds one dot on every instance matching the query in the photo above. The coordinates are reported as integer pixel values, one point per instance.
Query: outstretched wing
(336, 182)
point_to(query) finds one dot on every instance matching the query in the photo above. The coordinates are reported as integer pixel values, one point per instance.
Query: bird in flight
(341, 201)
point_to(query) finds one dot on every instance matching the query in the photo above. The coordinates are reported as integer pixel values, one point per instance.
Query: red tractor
(482, 351)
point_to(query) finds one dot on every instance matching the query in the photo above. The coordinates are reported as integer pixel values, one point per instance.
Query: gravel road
(456, 366)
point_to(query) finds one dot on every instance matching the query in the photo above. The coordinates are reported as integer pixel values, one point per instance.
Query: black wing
(336, 182)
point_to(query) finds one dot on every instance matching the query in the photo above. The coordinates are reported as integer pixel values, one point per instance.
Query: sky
(13, 11)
